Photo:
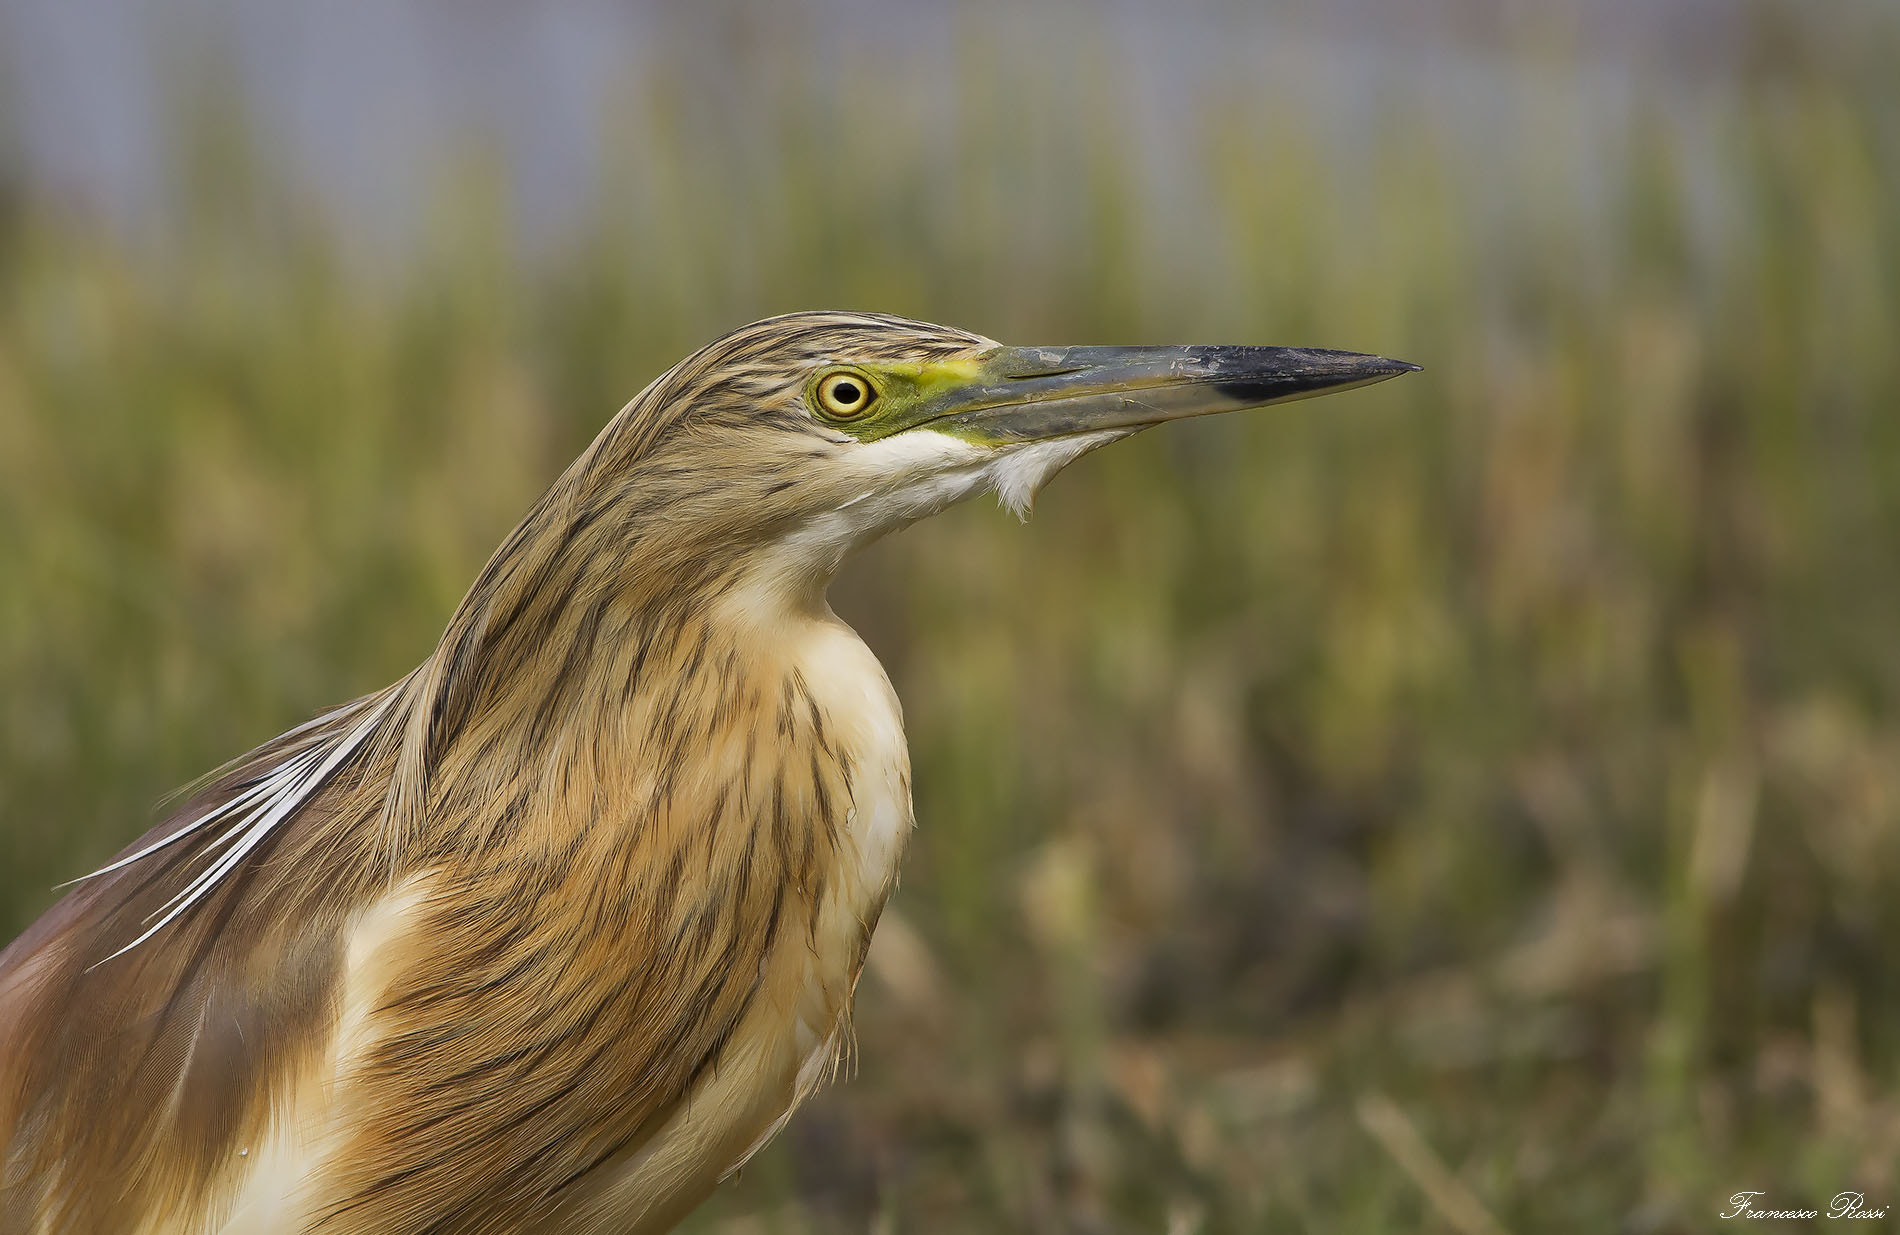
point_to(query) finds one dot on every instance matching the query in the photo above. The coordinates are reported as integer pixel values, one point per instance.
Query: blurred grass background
(1464, 805)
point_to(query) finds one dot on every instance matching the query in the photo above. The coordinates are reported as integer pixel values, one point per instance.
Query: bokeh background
(1467, 805)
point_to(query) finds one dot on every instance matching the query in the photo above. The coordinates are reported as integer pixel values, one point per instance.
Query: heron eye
(845, 396)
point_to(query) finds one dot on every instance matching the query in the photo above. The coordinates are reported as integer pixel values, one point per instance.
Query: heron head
(796, 439)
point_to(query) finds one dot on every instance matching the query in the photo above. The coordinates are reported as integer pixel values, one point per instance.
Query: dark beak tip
(1354, 365)
(1380, 366)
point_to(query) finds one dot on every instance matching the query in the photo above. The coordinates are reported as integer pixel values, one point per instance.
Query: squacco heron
(555, 932)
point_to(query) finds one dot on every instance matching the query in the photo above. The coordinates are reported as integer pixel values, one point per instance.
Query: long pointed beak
(1028, 393)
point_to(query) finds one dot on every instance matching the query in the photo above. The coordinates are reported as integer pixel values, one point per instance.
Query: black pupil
(846, 392)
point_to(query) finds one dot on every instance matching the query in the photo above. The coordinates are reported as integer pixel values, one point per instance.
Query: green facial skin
(1022, 394)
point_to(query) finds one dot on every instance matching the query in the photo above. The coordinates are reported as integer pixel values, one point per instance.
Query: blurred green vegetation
(1481, 789)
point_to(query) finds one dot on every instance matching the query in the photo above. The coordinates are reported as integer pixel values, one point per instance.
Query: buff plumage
(555, 931)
